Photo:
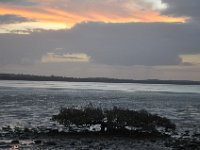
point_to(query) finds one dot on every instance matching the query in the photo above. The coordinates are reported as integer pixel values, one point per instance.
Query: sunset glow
(193, 59)
(47, 16)
(67, 57)
(137, 39)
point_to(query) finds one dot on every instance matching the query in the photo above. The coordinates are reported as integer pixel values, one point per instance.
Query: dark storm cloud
(189, 8)
(139, 44)
(8, 19)
(114, 44)
(18, 2)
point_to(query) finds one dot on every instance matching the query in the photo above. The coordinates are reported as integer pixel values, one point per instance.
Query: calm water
(27, 103)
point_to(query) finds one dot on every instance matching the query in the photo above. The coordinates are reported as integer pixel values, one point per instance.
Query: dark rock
(167, 144)
(17, 130)
(51, 143)
(193, 145)
(5, 146)
(34, 130)
(100, 148)
(72, 144)
(3, 143)
(196, 135)
(186, 133)
(15, 142)
(147, 144)
(53, 131)
(102, 145)
(88, 141)
(175, 133)
(153, 140)
(8, 128)
(91, 147)
(37, 141)
(27, 130)
(186, 144)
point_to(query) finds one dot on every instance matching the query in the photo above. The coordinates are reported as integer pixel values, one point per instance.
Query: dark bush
(114, 119)
(120, 118)
(79, 117)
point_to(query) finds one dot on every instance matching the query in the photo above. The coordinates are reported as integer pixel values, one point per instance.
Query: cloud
(136, 44)
(10, 19)
(133, 50)
(192, 59)
(118, 38)
(72, 12)
(179, 8)
(18, 2)
(28, 27)
(152, 44)
(157, 4)
(66, 57)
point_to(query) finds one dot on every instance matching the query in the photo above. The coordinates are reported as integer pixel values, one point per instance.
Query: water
(32, 103)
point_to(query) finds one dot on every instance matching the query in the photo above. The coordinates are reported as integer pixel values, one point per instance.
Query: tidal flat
(30, 105)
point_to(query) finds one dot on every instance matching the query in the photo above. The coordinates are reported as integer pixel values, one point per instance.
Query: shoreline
(26, 77)
(83, 140)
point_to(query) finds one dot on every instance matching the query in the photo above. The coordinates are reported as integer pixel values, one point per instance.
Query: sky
(133, 39)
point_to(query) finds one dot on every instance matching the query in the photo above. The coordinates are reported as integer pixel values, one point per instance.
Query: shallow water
(32, 103)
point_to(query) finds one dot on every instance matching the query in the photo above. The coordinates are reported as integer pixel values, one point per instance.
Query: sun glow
(27, 27)
(66, 57)
(191, 59)
(56, 18)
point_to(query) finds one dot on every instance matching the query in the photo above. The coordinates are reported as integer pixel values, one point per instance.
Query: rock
(72, 144)
(53, 131)
(153, 140)
(88, 141)
(100, 148)
(25, 136)
(15, 147)
(167, 144)
(187, 133)
(27, 130)
(51, 143)
(37, 141)
(15, 142)
(3, 143)
(193, 145)
(196, 135)
(8, 129)
(147, 144)
(5, 146)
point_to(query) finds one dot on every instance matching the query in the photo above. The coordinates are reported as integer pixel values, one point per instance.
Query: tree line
(6, 76)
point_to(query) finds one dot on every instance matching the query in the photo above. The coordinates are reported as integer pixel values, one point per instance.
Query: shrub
(113, 119)
(120, 118)
(79, 117)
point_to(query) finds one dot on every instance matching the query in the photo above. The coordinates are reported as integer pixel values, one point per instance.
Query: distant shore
(26, 77)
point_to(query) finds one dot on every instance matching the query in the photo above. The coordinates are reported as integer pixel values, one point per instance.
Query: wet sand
(87, 143)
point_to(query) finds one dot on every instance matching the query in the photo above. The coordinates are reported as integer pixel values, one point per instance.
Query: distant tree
(4, 76)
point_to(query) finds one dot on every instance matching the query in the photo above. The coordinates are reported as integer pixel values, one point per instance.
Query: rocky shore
(46, 138)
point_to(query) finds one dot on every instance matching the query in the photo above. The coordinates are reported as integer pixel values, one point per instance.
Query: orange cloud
(67, 17)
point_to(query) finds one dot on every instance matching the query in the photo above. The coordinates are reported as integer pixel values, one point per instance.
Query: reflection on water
(25, 103)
